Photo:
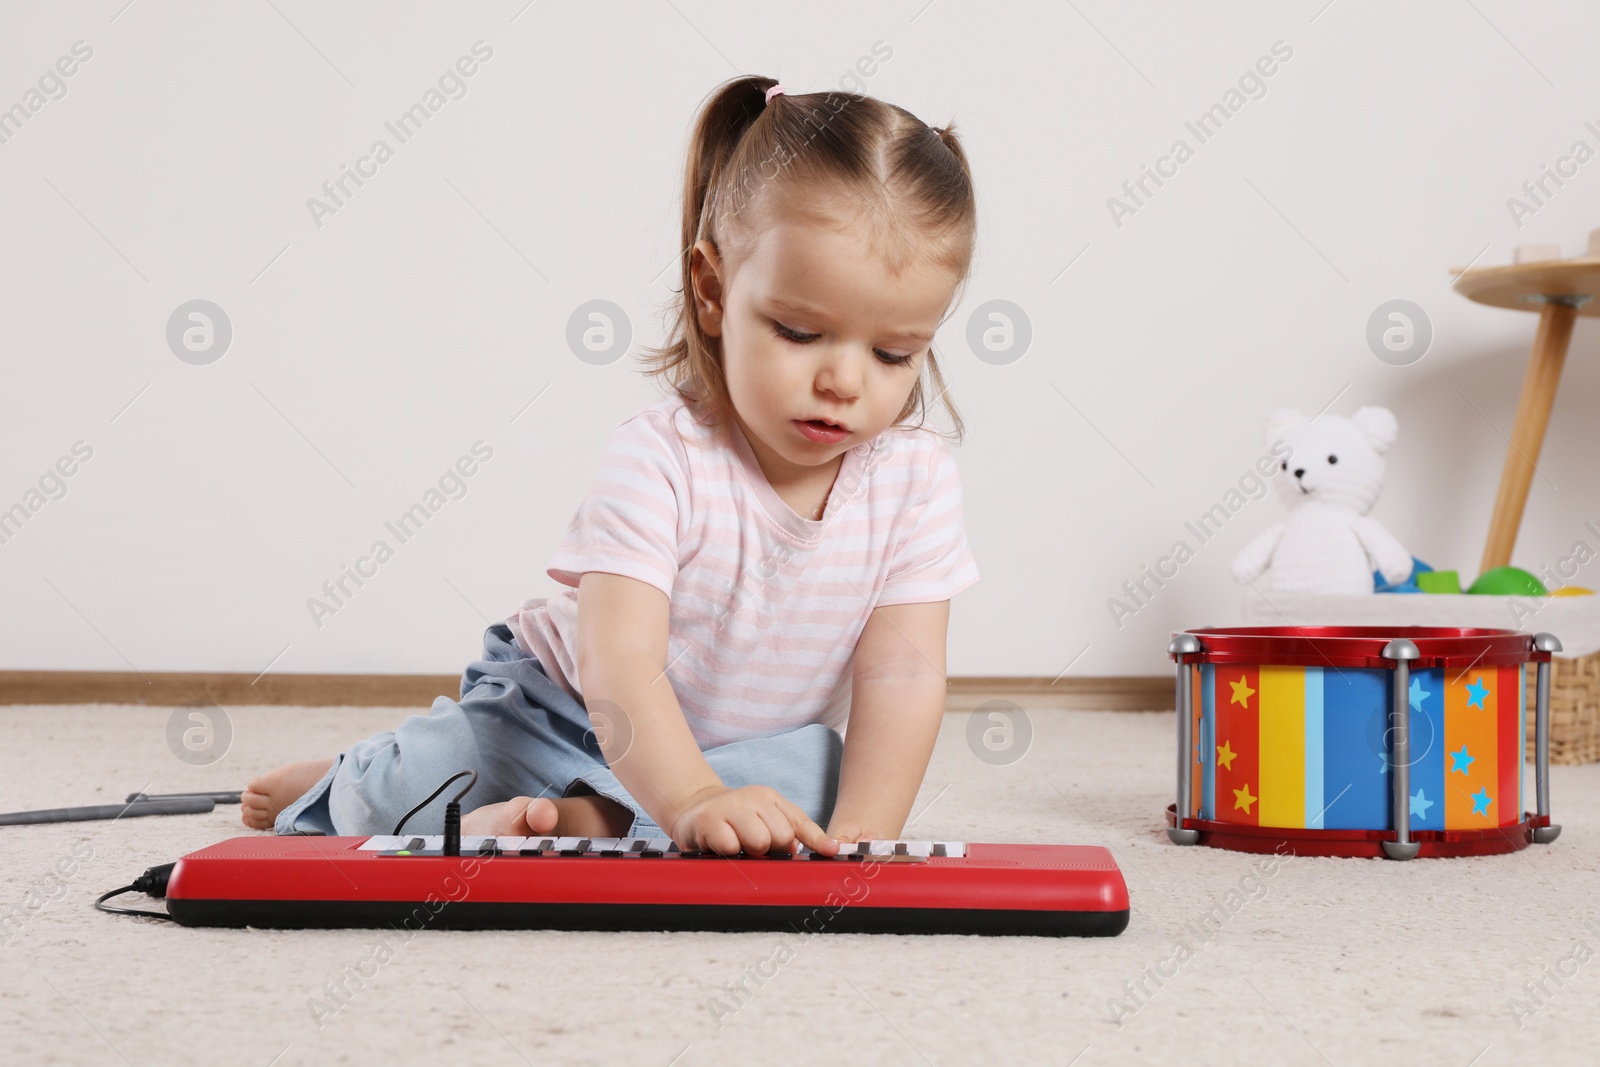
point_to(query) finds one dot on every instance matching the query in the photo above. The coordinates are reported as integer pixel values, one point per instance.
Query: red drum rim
(1448, 647)
(1368, 844)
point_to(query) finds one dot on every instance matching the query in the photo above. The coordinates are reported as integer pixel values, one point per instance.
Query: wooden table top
(1522, 286)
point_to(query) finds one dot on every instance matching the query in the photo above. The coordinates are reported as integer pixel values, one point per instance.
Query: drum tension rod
(1184, 644)
(1543, 642)
(1402, 652)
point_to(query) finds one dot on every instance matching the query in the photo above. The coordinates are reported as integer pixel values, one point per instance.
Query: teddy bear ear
(1279, 422)
(1378, 426)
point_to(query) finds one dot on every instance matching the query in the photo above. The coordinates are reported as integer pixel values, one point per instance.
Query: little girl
(763, 557)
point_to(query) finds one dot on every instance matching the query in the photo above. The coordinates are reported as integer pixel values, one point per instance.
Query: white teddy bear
(1329, 482)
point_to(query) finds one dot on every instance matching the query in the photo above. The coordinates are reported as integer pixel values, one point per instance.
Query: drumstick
(180, 806)
(224, 797)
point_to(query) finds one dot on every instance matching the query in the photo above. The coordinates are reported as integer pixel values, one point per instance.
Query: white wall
(432, 307)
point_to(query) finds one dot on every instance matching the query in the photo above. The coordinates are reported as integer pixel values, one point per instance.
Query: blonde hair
(900, 173)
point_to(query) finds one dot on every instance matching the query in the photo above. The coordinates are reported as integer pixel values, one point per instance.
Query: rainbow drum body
(1359, 741)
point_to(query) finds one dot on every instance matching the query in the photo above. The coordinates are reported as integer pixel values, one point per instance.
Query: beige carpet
(1324, 961)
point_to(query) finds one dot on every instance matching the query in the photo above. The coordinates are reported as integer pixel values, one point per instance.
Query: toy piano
(922, 887)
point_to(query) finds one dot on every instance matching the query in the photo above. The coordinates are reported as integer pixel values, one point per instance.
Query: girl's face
(816, 326)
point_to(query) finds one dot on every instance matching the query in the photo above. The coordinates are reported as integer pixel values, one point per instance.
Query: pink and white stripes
(766, 606)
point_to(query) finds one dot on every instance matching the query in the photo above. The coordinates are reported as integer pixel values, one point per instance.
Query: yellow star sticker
(1241, 692)
(1242, 799)
(1225, 756)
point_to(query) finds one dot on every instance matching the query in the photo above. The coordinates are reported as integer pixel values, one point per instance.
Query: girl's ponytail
(731, 111)
(687, 359)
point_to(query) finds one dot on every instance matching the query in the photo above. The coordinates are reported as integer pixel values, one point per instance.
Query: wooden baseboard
(1143, 692)
(177, 688)
(1136, 693)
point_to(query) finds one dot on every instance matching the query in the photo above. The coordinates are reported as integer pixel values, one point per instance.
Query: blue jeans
(527, 736)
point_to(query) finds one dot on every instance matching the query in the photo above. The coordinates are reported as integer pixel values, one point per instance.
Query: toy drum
(1359, 741)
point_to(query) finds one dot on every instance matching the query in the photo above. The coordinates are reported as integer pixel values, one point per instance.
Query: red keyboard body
(293, 881)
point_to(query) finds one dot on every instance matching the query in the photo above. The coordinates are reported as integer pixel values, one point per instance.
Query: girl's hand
(754, 819)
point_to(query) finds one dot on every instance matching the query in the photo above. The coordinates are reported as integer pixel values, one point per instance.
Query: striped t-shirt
(765, 606)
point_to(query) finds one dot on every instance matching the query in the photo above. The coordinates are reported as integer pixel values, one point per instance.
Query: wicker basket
(1574, 709)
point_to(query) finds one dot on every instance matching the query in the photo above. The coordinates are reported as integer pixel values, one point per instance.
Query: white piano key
(511, 844)
(564, 843)
(659, 844)
(499, 843)
(919, 848)
(607, 844)
(380, 843)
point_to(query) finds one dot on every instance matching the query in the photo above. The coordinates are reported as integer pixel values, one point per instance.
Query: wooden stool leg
(1527, 436)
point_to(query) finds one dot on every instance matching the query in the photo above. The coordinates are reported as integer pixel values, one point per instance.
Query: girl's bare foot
(583, 816)
(268, 794)
(517, 817)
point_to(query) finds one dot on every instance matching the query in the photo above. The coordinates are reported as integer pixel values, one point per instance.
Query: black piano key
(583, 846)
(637, 844)
(416, 844)
(900, 849)
(939, 849)
(525, 851)
(489, 846)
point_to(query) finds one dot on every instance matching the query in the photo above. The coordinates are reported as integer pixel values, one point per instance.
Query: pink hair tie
(774, 91)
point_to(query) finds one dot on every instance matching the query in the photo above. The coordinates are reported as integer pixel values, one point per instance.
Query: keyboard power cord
(153, 882)
(452, 812)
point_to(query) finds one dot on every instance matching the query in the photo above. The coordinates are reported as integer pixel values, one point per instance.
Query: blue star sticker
(1460, 761)
(1418, 694)
(1476, 692)
(1481, 801)
(1420, 805)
